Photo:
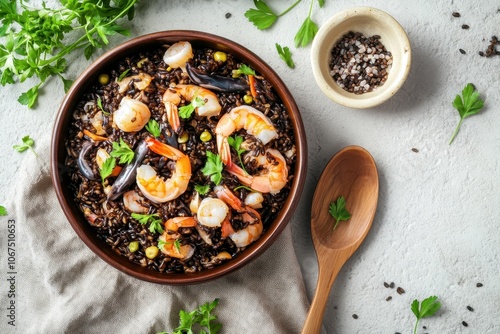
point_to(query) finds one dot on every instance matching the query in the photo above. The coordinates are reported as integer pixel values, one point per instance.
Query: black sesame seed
(470, 308)
(355, 316)
(456, 14)
(392, 285)
(465, 26)
(228, 15)
(423, 327)
(462, 51)
(388, 298)
(465, 324)
(479, 285)
(400, 290)
(415, 150)
(386, 284)
(481, 53)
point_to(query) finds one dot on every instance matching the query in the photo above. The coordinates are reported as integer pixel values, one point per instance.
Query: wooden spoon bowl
(351, 173)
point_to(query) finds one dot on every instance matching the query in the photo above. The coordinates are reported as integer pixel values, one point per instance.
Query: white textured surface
(437, 226)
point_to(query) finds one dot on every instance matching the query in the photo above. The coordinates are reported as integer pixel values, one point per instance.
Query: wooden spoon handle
(314, 319)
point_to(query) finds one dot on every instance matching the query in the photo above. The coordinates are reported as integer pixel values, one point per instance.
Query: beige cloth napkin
(63, 287)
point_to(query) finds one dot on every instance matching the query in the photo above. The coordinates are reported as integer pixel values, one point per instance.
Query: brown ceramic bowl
(61, 180)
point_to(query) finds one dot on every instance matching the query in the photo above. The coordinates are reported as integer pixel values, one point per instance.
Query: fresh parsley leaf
(153, 219)
(263, 17)
(66, 83)
(203, 316)
(177, 245)
(28, 143)
(321, 3)
(467, 105)
(427, 308)
(161, 244)
(29, 97)
(153, 128)
(213, 168)
(123, 151)
(338, 211)
(186, 111)
(235, 142)
(202, 190)
(107, 168)
(99, 104)
(3, 211)
(307, 31)
(243, 69)
(123, 75)
(286, 55)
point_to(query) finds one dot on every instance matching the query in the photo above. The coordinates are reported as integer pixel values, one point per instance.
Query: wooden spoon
(351, 173)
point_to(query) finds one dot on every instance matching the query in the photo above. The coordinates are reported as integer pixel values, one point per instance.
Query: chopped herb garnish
(123, 75)
(202, 190)
(107, 168)
(153, 128)
(186, 111)
(338, 211)
(123, 151)
(235, 142)
(99, 104)
(213, 168)
(3, 211)
(286, 55)
(153, 219)
(243, 69)
(28, 143)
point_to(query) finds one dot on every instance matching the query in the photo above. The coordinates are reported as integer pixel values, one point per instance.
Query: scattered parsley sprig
(286, 55)
(28, 143)
(201, 320)
(123, 151)
(262, 16)
(3, 211)
(176, 243)
(202, 189)
(338, 211)
(213, 168)
(37, 40)
(427, 308)
(235, 142)
(153, 220)
(468, 104)
(107, 168)
(153, 128)
(243, 70)
(99, 104)
(123, 75)
(186, 111)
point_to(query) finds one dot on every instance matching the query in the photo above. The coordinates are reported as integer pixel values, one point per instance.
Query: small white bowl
(368, 21)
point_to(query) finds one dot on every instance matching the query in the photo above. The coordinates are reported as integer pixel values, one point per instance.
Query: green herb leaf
(161, 244)
(321, 3)
(153, 128)
(262, 17)
(243, 69)
(186, 111)
(107, 168)
(123, 151)
(123, 75)
(286, 55)
(66, 84)
(3, 211)
(202, 190)
(338, 210)
(467, 105)
(427, 308)
(99, 104)
(153, 219)
(29, 97)
(203, 316)
(306, 33)
(213, 168)
(28, 143)
(235, 142)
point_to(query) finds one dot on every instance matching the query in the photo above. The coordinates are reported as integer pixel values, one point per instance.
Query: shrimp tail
(163, 149)
(226, 228)
(173, 116)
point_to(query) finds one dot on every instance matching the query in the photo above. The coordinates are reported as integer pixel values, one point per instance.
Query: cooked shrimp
(254, 200)
(96, 122)
(243, 117)
(252, 232)
(131, 115)
(205, 102)
(141, 81)
(178, 55)
(156, 188)
(212, 212)
(134, 202)
(173, 224)
(270, 179)
(228, 197)
(183, 252)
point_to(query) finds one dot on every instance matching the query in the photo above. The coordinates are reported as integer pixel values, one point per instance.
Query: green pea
(104, 79)
(152, 252)
(220, 56)
(183, 138)
(133, 246)
(205, 136)
(248, 99)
